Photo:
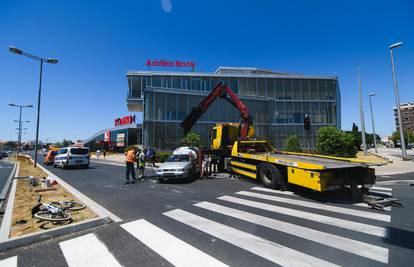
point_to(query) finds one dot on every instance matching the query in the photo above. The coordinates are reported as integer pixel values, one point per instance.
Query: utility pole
(361, 112)
(373, 124)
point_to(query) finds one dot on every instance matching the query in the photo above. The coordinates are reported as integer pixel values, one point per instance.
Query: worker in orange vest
(129, 161)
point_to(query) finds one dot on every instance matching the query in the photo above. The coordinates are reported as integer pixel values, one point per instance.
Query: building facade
(277, 102)
(407, 117)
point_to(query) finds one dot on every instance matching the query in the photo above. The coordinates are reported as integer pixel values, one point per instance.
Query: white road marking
(264, 189)
(365, 205)
(340, 210)
(342, 243)
(87, 250)
(174, 250)
(381, 188)
(350, 225)
(9, 262)
(264, 248)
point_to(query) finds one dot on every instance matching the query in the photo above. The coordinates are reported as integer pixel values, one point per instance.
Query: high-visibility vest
(130, 156)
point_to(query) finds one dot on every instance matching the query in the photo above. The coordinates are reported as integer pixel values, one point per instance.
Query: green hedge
(162, 156)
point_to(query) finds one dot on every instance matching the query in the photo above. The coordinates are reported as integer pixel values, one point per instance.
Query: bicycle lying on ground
(57, 211)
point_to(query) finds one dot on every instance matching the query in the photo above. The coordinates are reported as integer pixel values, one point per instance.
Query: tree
(333, 142)
(292, 144)
(354, 127)
(191, 139)
(408, 137)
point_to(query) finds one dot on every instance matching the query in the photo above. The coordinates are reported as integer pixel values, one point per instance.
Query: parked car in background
(3, 154)
(182, 165)
(72, 156)
(49, 158)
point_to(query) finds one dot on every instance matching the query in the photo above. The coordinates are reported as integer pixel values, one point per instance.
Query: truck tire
(270, 176)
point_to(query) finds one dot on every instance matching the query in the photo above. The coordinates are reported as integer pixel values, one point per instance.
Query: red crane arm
(222, 91)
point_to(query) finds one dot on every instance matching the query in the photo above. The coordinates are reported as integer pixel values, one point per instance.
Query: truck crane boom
(223, 91)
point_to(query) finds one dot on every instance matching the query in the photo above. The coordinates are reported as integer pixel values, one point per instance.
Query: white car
(179, 166)
(72, 156)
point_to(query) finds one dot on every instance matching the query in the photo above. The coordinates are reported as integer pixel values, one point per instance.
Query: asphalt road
(168, 224)
(5, 170)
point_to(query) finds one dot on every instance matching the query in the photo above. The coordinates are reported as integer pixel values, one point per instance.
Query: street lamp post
(15, 50)
(397, 98)
(19, 136)
(361, 113)
(373, 124)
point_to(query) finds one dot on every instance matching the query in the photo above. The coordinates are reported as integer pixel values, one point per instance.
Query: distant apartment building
(407, 116)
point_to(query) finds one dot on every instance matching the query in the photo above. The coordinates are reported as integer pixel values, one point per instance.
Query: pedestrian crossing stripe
(269, 250)
(346, 224)
(174, 250)
(342, 243)
(9, 262)
(325, 207)
(87, 250)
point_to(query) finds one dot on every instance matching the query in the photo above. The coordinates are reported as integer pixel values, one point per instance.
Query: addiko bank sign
(168, 63)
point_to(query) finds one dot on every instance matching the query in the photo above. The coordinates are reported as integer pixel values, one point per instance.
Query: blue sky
(96, 42)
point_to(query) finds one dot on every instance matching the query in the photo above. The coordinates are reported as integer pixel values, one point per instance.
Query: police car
(72, 156)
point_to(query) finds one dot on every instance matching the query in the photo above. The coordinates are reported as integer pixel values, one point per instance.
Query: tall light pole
(397, 98)
(373, 124)
(361, 113)
(15, 50)
(19, 136)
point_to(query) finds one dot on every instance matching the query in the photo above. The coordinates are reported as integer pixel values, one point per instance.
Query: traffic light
(306, 123)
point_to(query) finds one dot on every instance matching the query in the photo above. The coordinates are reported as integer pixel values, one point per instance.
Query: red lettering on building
(124, 120)
(167, 63)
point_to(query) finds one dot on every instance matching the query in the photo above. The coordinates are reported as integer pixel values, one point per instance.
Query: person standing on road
(104, 153)
(141, 166)
(130, 169)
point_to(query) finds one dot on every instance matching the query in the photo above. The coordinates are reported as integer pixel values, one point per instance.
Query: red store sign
(167, 63)
(124, 120)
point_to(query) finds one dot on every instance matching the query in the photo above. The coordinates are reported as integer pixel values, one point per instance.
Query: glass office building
(277, 102)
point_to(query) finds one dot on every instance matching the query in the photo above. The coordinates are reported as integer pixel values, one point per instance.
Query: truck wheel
(356, 193)
(270, 176)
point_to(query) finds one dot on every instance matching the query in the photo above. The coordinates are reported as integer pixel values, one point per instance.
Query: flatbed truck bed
(258, 160)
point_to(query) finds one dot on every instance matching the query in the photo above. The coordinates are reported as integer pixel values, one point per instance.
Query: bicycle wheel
(72, 205)
(53, 217)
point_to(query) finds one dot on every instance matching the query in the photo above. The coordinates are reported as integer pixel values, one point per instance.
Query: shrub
(162, 156)
(191, 139)
(292, 144)
(333, 142)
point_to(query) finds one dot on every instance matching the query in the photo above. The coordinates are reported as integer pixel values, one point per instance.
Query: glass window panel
(331, 89)
(306, 109)
(287, 88)
(171, 104)
(314, 89)
(205, 84)
(289, 111)
(182, 107)
(324, 113)
(298, 112)
(176, 82)
(297, 91)
(251, 86)
(270, 85)
(185, 82)
(156, 81)
(261, 86)
(234, 85)
(243, 86)
(149, 106)
(280, 92)
(304, 84)
(322, 89)
(158, 135)
(195, 84)
(315, 118)
(129, 94)
(280, 112)
(159, 106)
(171, 141)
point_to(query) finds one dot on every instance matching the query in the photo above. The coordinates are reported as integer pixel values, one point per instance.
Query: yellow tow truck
(275, 169)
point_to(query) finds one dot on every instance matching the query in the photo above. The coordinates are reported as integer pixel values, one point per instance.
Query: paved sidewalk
(398, 166)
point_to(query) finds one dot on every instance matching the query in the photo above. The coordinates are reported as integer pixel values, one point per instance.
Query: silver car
(177, 167)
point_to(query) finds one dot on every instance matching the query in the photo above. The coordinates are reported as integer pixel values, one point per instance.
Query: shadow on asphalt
(400, 237)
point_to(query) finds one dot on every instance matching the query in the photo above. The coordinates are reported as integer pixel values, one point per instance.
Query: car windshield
(63, 151)
(178, 158)
(79, 151)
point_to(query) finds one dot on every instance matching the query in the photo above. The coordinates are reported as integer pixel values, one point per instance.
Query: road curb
(8, 214)
(379, 155)
(52, 233)
(98, 209)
